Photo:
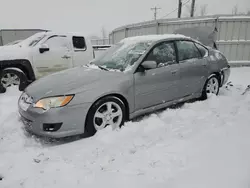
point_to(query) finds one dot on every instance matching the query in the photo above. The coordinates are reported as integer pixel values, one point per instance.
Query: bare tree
(203, 10)
(235, 10)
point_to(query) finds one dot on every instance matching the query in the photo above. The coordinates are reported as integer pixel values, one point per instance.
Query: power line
(175, 9)
(155, 9)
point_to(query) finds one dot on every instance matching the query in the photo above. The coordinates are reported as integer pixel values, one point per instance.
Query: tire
(14, 73)
(212, 78)
(100, 106)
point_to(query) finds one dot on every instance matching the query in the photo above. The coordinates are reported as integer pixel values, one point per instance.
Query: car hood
(13, 52)
(71, 81)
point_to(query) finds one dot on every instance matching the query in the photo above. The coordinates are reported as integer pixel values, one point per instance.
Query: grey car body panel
(156, 86)
(144, 91)
(72, 122)
(87, 84)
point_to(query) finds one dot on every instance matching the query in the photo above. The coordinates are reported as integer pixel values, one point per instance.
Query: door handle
(66, 57)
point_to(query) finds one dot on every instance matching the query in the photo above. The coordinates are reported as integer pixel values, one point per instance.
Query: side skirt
(162, 106)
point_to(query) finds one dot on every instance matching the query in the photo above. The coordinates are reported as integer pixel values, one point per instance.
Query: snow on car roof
(153, 38)
(64, 33)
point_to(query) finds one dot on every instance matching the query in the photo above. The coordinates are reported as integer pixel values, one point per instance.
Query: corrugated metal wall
(8, 36)
(233, 36)
(1, 40)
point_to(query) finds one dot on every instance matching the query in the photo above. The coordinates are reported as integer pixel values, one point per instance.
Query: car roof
(153, 38)
(65, 33)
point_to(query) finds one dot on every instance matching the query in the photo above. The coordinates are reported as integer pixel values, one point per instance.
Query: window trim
(152, 48)
(196, 43)
(52, 36)
(78, 49)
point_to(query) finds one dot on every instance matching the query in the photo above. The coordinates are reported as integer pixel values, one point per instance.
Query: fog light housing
(51, 127)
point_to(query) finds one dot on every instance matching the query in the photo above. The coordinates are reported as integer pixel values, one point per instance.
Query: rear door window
(187, 50)
(79, 43)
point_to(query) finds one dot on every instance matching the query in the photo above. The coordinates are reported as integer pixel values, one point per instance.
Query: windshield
(13, 43)
(33, 40)
(122, 55)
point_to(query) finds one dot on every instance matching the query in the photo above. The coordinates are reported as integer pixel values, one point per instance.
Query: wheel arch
(117, 95)
(218, 75)
(22, 64)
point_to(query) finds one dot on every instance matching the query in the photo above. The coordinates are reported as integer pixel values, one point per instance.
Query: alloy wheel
(108, 114)
(212, 86)
(10, 79)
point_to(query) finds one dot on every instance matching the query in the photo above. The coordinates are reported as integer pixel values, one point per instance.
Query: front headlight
(53, 102)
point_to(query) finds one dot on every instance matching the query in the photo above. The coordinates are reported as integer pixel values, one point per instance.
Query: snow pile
(201, 144)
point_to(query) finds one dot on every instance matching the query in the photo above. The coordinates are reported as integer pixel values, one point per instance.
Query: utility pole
(179, 8)
(155, 9)
(192, 8)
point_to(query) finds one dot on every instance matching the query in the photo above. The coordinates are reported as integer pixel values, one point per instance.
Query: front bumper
(71, 120)
(225, 73)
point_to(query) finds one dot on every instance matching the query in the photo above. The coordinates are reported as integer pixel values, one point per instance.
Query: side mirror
(149, 65)
(44, 48)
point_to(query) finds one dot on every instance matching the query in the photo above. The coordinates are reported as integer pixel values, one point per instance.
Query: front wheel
(212, 86)
(108, 111)
(12, 77)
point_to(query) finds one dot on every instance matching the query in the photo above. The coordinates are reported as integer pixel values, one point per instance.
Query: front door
(57, 58)
(159, 85)
(193, 67)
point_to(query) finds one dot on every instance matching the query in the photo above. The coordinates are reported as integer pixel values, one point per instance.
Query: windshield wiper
(99, 66)
(103, 68)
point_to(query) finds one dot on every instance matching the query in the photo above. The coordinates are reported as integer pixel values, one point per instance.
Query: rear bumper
(225, 73)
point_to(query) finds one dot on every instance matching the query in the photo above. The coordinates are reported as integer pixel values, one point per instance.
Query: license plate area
(23, 105)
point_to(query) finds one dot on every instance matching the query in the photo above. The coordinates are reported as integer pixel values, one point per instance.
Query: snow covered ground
(200, 145)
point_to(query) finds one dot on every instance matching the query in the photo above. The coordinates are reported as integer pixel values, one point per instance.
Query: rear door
(81, 52)
(193, 66)
(159, 85)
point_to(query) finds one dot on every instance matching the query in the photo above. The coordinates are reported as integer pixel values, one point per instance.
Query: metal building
(10, 35)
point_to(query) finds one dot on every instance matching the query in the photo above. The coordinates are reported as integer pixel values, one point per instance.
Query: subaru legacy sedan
(135, 76)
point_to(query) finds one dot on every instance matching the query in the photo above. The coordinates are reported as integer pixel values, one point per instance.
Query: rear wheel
(12, 77)
(212, 86)
(108, 111)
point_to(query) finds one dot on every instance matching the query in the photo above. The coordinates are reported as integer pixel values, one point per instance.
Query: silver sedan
(136, 76)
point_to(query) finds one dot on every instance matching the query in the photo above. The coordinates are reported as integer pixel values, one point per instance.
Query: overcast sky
(89, 16)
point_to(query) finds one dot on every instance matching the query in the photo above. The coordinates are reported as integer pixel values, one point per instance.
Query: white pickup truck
(42, 54)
